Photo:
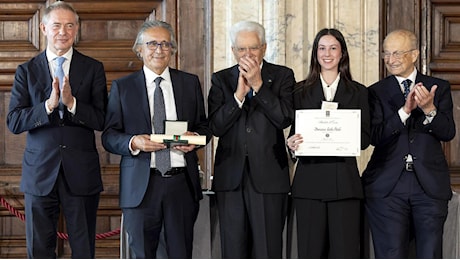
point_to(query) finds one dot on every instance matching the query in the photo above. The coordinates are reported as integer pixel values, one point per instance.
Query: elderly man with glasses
(250, 104)
(407, 183)
(159, 185)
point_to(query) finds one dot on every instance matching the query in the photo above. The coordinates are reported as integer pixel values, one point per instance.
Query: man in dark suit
(407, 183)
(151, 197)
(249, 106)
(61, 164)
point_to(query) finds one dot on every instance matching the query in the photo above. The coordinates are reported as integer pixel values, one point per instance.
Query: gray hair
(248, 26)
(56, 6)
(153, 24)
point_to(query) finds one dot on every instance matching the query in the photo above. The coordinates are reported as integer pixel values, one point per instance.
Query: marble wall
(291, 26)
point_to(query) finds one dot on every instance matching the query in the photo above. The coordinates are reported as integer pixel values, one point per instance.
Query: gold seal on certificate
(329, 132)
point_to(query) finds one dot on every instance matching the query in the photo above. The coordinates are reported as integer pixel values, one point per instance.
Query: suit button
(248, 130)
(62, 146)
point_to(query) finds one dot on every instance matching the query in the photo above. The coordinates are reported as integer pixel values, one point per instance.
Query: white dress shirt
(177, 157)
(329, 90)
(66, 67)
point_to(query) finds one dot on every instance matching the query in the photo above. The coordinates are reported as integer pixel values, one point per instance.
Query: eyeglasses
(251, 49)
(396, 54)
(153, 45)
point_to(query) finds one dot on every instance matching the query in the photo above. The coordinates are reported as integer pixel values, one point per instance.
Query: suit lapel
(314, 96)
(235, 73)
(267, 75)
(343, 94)
(395, 95)
(418, 112)
(267, 79)
(139, 89)
(41, 68)
(77, 71)
(177, 85)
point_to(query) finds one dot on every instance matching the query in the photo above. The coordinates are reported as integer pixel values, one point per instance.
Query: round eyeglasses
(251, 49)
(164, 45)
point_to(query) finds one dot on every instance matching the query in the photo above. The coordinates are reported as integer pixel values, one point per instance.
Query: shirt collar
(51, 55)
(411, 77)
(333, 85)
(150, 76)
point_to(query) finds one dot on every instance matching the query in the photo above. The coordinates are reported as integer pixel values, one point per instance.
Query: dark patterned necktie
(59, 73)
(406, 83)
(162, 157)
(250, 94)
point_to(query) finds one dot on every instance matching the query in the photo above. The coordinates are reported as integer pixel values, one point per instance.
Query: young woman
(327, 190)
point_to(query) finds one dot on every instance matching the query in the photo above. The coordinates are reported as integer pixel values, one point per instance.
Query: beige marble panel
(357, 20)
(226, 13)
(275, 30)
(291, 26)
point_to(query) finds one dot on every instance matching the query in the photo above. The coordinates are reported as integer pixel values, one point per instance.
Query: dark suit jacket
(50, 141)
(330, 177)
(128, 114)
(255, 131)
(393, 140)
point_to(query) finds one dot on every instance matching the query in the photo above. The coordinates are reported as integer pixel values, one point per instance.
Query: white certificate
(328, 132)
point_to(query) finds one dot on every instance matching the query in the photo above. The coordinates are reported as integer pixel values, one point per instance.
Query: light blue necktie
(59, 73)
(162, 157)
(406, 83)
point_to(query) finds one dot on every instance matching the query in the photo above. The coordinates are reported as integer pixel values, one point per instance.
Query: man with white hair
(249, 106)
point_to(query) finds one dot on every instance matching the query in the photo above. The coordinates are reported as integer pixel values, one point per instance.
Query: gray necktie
(162, 157)
(406, 83)
(59, 73)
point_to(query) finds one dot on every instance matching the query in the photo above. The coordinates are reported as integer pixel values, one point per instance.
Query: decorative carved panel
(445, 38)
(443, 59)
(19, 37)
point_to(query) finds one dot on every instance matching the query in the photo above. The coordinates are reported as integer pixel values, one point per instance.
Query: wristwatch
(431, 114)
